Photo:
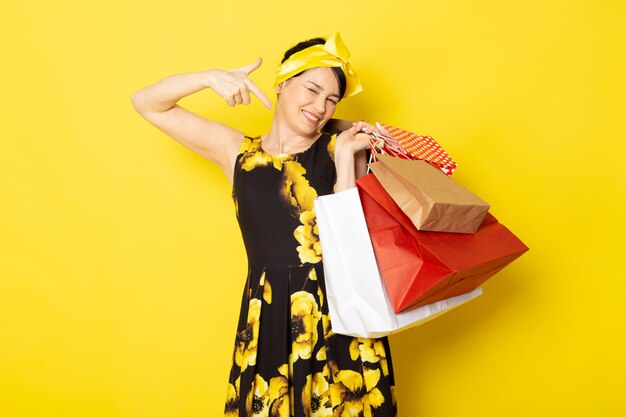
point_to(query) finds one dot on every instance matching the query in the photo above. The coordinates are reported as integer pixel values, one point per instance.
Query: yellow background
(121, 264)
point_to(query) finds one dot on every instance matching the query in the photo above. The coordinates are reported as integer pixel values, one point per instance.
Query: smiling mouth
(309, 116)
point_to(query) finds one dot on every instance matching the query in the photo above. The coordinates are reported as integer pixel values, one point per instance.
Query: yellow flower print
(371, 378)
(280, 160)
(354, 349)
(246, 145)
(252, 155)
(279, 397)
(353, 394)
(299, 194)
(327, 332)
(252, 158)
(267, 289)
(283, 369)
(305, 315)
(320, 295)
(310, 249)
(331, 370)
(373, 350)
(232, 400)
(246, 346)
(331, 146)
(296, 189)
(258, 399)
(321, 354)
(269, 400)
(316, 396)
(326, 371)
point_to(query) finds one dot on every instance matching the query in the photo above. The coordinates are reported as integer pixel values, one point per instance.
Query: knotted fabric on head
(332, 54)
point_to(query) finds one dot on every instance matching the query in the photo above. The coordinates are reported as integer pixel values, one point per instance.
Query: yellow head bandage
(332, 54)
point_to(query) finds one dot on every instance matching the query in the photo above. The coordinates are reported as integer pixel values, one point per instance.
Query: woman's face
(309, 100)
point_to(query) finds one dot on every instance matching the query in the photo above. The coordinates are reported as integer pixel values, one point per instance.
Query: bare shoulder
(210, 139)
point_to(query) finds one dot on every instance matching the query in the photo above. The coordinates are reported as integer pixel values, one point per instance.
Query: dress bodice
(273, 197)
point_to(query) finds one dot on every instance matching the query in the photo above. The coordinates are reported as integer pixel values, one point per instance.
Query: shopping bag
(402, 144)
(357, 299)
(432, 200)
(419, 268)
(420, 147)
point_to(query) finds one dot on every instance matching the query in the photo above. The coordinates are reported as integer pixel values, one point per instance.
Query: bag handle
(391, 146)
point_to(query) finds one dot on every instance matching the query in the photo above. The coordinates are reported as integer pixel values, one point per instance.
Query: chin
(312, 128)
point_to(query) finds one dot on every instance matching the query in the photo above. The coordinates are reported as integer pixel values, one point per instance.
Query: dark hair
(341, 77)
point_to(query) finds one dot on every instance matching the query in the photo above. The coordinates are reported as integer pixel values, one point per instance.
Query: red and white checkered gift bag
(409, 145)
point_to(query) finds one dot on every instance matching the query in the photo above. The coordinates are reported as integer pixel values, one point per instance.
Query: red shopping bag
(418, 267)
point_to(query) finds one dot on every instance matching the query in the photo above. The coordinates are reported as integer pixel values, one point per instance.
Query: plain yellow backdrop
(121, 263)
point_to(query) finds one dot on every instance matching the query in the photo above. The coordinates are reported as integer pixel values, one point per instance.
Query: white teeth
(310, 116)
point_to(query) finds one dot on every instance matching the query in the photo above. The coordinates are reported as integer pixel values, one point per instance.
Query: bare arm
(360, 161)
(213, 140)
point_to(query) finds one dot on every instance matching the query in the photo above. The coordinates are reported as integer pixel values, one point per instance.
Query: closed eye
(334, 101)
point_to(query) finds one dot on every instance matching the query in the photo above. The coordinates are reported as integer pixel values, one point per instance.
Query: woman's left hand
(357, 138)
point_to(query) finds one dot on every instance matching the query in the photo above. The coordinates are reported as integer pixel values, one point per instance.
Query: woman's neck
(283, 139)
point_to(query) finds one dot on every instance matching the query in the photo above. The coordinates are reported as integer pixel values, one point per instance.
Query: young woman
(286, 360)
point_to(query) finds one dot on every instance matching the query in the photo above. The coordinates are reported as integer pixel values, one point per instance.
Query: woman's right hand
(234, 85)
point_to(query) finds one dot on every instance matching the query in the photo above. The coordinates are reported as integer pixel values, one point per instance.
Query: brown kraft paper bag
(432, 200)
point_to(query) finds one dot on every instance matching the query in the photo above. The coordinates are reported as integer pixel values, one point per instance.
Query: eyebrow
(320, 87)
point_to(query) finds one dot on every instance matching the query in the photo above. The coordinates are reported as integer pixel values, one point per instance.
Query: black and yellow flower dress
(287, 361)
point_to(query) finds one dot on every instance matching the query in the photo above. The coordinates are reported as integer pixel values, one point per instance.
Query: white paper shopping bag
(357, 298)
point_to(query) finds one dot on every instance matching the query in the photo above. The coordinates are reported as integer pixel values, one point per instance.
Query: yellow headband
(332, 54)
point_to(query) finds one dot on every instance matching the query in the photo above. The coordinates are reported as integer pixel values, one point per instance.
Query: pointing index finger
(257, 92)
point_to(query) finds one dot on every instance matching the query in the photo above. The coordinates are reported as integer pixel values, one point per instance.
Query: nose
(320, 104)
